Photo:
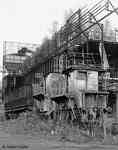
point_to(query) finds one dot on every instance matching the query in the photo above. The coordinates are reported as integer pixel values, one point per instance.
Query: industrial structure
(76, 68)
(17, 96)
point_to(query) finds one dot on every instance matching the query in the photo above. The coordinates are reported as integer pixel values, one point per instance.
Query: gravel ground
(36, 132)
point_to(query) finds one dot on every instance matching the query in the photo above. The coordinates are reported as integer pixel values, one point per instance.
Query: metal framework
(82, 20)
(75, 32)
(68, 44)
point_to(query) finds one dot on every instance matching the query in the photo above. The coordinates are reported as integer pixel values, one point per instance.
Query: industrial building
(76, 68)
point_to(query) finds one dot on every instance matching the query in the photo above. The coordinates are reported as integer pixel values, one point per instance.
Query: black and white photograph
(58, 74)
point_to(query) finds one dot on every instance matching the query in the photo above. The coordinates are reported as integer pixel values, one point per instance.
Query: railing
(110, 80)
(82, 58)
(114, 73)
(59, 63)
(102, 85)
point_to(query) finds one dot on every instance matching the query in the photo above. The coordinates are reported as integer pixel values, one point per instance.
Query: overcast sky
(31, 20)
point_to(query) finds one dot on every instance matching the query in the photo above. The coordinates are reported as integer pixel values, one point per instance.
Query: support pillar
(67, 84)
(117, 106)
(44, 77)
